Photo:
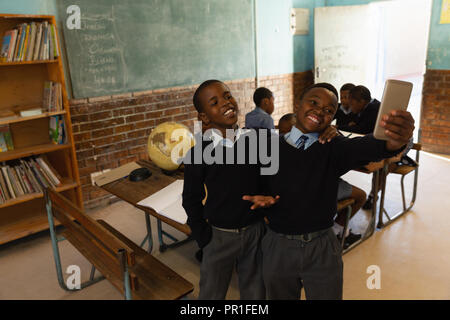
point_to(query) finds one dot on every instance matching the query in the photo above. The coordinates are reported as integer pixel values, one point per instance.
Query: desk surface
(133, 192)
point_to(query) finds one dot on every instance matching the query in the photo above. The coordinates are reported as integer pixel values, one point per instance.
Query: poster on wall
(445, 12)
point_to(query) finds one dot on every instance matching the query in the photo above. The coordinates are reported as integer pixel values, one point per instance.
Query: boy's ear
(204, 118)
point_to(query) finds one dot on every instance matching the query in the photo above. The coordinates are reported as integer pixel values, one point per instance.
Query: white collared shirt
(216, 136)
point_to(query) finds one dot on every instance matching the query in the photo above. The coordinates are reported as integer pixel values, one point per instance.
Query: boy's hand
(328, 134)
(261, 201)
(399, 127)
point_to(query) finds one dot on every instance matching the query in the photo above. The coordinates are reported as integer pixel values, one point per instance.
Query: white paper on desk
(168, 202)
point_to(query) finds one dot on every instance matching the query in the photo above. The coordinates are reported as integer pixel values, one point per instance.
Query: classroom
(106, 78)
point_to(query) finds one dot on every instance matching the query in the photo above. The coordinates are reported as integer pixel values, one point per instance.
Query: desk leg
(384, 173)
(371, 227)
(149, 233)
(162, 245)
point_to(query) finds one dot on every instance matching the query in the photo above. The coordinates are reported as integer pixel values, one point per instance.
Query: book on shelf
(4, 187)
(6, 46)
(52, 97)
(57, 129)
(29, 42)
(8, 182)
(3, 146)
(27, 111)
(5, 134)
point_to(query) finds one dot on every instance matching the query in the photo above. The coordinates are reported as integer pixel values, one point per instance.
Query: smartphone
(396, 96)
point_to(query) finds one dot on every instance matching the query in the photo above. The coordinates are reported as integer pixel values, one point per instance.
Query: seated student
(344, 114)
(299, 247)
(260, 116)
(285, 123)
(365, 110)
(224, 227)
(345, 191)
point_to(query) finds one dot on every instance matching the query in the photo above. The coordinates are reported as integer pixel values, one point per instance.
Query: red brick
(102, 133)
(82, 136)
(124, 128)
(134, 118)
(100, 115)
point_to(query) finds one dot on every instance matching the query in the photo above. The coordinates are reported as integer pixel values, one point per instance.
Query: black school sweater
(226, 184)
(307, 181)
(365, 120)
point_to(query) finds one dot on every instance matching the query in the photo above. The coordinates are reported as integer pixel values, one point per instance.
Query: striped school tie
(300, 143)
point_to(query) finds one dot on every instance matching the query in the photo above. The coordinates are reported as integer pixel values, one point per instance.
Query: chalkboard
(136, 45)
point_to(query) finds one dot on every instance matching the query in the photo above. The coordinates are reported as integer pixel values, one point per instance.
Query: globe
(168, 143)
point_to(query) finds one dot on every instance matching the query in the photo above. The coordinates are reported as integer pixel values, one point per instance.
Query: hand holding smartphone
(396, 96)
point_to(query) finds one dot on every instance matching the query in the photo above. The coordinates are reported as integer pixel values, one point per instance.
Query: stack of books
(52, 101)
(29, 42)
(30, 176)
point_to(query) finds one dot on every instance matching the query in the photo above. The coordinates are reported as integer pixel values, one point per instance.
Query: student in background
(260, 117)
(344, 114)
(225, 228)
(365, 110)
(285, 123)
(299, 247)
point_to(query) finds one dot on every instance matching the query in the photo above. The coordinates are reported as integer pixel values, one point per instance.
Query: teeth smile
(314, 119)
(228, 112)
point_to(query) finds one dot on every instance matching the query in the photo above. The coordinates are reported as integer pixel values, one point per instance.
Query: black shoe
(351, 239)
(368, 204)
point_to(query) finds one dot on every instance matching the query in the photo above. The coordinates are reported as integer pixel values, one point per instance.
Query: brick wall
(435, 116)
(113, 130)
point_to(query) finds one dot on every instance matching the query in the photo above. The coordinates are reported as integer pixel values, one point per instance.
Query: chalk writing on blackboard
(102, 61)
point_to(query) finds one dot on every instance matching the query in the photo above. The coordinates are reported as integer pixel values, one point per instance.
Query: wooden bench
(131, 270)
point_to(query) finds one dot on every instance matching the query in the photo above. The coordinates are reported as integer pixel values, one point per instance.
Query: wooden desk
(133, 192)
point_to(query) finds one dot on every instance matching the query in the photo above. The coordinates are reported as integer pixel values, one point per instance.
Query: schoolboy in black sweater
(299, 247)
(364, 110)
(225, 227)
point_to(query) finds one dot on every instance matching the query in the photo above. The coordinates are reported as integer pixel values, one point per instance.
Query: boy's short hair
(347, 87)
(196, 99)
(260, 94)
(324, 85)
(360, 93)
(287, 117)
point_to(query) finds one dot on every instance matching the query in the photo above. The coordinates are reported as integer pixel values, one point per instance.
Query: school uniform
(343, 116)
(365, 120)
(300, 246)
(224, 227)
(259, 119)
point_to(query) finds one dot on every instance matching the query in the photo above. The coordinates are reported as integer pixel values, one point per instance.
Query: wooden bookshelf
(22, 84)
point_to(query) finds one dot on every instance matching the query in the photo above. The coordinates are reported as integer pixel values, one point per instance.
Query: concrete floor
(412, 254)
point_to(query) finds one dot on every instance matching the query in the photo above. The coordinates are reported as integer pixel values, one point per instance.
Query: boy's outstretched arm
(399, 127)
(261, 201)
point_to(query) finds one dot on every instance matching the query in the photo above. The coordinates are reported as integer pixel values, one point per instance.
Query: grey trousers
(289, 264)
(229, 250)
